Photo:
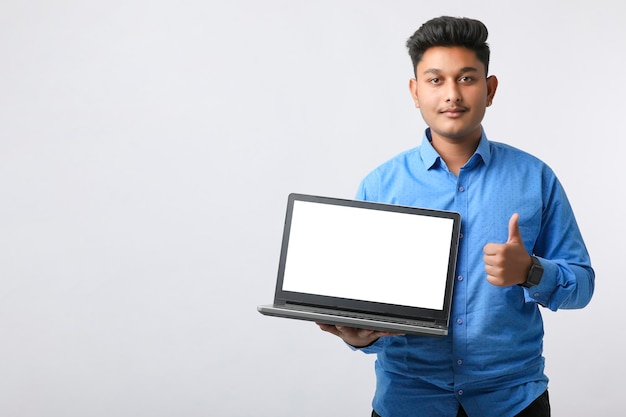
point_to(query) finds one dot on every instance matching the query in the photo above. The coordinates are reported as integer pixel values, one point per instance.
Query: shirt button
(459, 320)
(461, 188)
(461, 235)
(459, 362)
(460, 392)
(536, 295)
(460, 278)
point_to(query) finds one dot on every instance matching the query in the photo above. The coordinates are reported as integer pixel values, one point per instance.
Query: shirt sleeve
(568, 281)
(364, 192)
(375, 347)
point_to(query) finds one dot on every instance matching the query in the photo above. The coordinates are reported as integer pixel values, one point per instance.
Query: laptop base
(371, 322)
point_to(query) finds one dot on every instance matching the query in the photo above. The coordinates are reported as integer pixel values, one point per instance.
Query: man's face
(452, 92)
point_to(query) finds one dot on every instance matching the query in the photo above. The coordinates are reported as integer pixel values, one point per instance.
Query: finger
(493, 280)
(363, 333)
(360, 333)
(515, 235)
(351, 331)
(377, 333)
(493, 270)
(346, 331)
(328, 328)
(491, 249)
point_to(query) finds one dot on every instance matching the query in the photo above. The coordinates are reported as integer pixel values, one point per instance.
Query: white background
(146, 152)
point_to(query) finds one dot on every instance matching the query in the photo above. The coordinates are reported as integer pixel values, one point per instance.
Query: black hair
(450, 31)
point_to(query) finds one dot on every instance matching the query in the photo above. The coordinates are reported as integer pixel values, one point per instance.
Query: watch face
(535, 273)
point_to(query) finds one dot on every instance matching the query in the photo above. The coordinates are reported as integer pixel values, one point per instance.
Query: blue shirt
(491, 362)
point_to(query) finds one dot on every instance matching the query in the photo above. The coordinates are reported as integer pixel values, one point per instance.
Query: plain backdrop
(146, 152)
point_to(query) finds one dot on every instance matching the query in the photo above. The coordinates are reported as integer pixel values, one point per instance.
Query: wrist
(535, 273)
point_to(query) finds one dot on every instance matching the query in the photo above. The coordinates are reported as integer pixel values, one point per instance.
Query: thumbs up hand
(507, 263)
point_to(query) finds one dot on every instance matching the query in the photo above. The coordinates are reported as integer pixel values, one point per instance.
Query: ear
(492, 86)
(413, 91)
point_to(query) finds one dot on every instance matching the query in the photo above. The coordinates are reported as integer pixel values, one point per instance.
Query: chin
(458, 135)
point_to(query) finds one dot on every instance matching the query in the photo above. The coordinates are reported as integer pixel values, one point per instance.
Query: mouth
(454, 111)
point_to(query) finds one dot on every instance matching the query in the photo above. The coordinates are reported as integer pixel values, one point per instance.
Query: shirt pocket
(497, 229)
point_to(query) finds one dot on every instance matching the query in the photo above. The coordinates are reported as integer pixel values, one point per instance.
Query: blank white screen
(370, 255)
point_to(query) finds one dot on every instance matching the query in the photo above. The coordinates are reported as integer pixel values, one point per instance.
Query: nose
(453, 94)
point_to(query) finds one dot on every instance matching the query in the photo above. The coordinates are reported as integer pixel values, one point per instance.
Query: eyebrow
(438, 71)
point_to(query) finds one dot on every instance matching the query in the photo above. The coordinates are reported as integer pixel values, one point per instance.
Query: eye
(466, 79)
(434, 80)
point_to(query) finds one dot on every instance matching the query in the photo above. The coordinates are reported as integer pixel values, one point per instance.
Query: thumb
(514, 234)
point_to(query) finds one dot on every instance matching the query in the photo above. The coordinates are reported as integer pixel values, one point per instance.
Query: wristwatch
(534, 275)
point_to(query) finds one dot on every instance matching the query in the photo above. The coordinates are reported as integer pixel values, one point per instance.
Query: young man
(520, 247)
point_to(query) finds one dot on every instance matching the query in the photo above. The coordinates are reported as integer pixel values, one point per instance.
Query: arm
(568, 281)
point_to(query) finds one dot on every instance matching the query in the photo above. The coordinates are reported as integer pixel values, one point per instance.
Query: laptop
(366, 265)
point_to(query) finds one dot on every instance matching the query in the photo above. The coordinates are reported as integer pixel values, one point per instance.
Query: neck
(455, 153)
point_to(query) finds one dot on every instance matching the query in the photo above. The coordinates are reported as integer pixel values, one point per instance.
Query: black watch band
(534, 274)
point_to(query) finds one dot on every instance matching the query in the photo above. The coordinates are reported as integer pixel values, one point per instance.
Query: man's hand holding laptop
(358, 338)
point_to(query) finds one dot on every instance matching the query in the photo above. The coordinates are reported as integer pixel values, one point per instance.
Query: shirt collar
(430, 157)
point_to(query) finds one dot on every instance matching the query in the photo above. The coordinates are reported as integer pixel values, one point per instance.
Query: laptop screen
(362, 255)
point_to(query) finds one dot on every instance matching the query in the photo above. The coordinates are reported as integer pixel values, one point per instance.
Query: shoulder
(522, 167)
(505, 153)
(390, 176)
(402, 160)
